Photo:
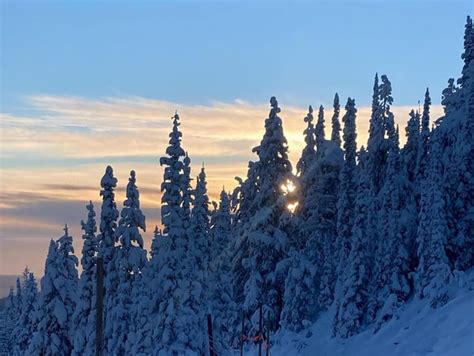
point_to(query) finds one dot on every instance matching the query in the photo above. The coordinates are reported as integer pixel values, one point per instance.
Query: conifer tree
(198, 259)
(351, 305)
(19, 297)
(336, 126)
(221, 226)
(300, 306)
(171, 335)
(433, 269)
(57, 300)
(457, 131)
(106, 240)
(347, 194)
(85, 313)
(309, 152)
(25, 324)
(410, 150)
(129, 262)
(266, 241)
(422, 157)
(319, 130)
(375, 144)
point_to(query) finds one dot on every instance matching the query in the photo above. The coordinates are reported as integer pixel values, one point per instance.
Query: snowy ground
(419, 330)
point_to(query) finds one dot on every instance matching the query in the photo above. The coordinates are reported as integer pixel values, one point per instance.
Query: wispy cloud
(53, 158)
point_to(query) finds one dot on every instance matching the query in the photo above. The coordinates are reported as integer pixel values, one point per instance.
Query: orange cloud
(56, 157)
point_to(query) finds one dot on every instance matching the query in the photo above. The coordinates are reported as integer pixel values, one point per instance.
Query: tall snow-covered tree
(129, 262)
(433, 269)
(423, 146)
(347, 192)
(106, 240)
(264, 239)
(24, 329)
(410, 150)
(85, 313)
(221, 226)
(53, 335)
(351, 304)
(171, 334)
(19, 296)
(395, 258)
(375, 144)
(300, 305)
(319, 130)
(336, 126)
(457, 131)
(309, 151)
(198, 264)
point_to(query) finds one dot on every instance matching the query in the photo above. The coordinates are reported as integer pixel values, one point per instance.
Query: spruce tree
(169, 312)
(351, 304)
(106, 240)
(25, 324)
(221, 226)
(129, 262)
(85, 313)
(422, 157)
(266, 241)
(319, 130)
(347, 193)
(57, 301)
(410, 150)
(336, 126)
(433, 269)
(309, 152)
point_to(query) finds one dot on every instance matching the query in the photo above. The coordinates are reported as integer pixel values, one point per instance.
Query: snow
(418, 330)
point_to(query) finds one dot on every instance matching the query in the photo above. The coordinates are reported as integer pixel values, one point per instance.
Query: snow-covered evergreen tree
(85, 313)
(433, 270)
(129, 262)
(25, 325)
(375, 145)
(347, 193)
(423, 146)
(106, 245)
(410, 150)
(198, 268)
(336, 126)
(172, 333)
(221, 226)
(457, 131)
(262, 243)
(319, 130)
(300, 306)
(351, 304)
(395, 249)
(309, 152)
(57, 301)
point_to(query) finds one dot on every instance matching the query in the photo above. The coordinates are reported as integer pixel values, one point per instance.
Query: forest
(363, 231)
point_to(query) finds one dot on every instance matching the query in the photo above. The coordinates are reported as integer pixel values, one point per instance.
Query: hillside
(419, 330)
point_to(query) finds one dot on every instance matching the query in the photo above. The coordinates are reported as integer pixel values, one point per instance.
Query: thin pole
(260, 332)
(268, 337)
(212, 352)
(242, 336)
(99, 306)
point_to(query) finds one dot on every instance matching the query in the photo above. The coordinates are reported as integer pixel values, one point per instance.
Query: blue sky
(195, 52)
(85, 84)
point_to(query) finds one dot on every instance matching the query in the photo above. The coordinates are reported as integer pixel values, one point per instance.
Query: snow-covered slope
(419, 330)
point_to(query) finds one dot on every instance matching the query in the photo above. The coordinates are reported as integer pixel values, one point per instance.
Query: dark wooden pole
(242, 336)
(212, 351)
(99, 306)
(268, 337)
(260, 332)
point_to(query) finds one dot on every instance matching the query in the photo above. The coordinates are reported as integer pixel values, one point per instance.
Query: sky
(85, 84)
